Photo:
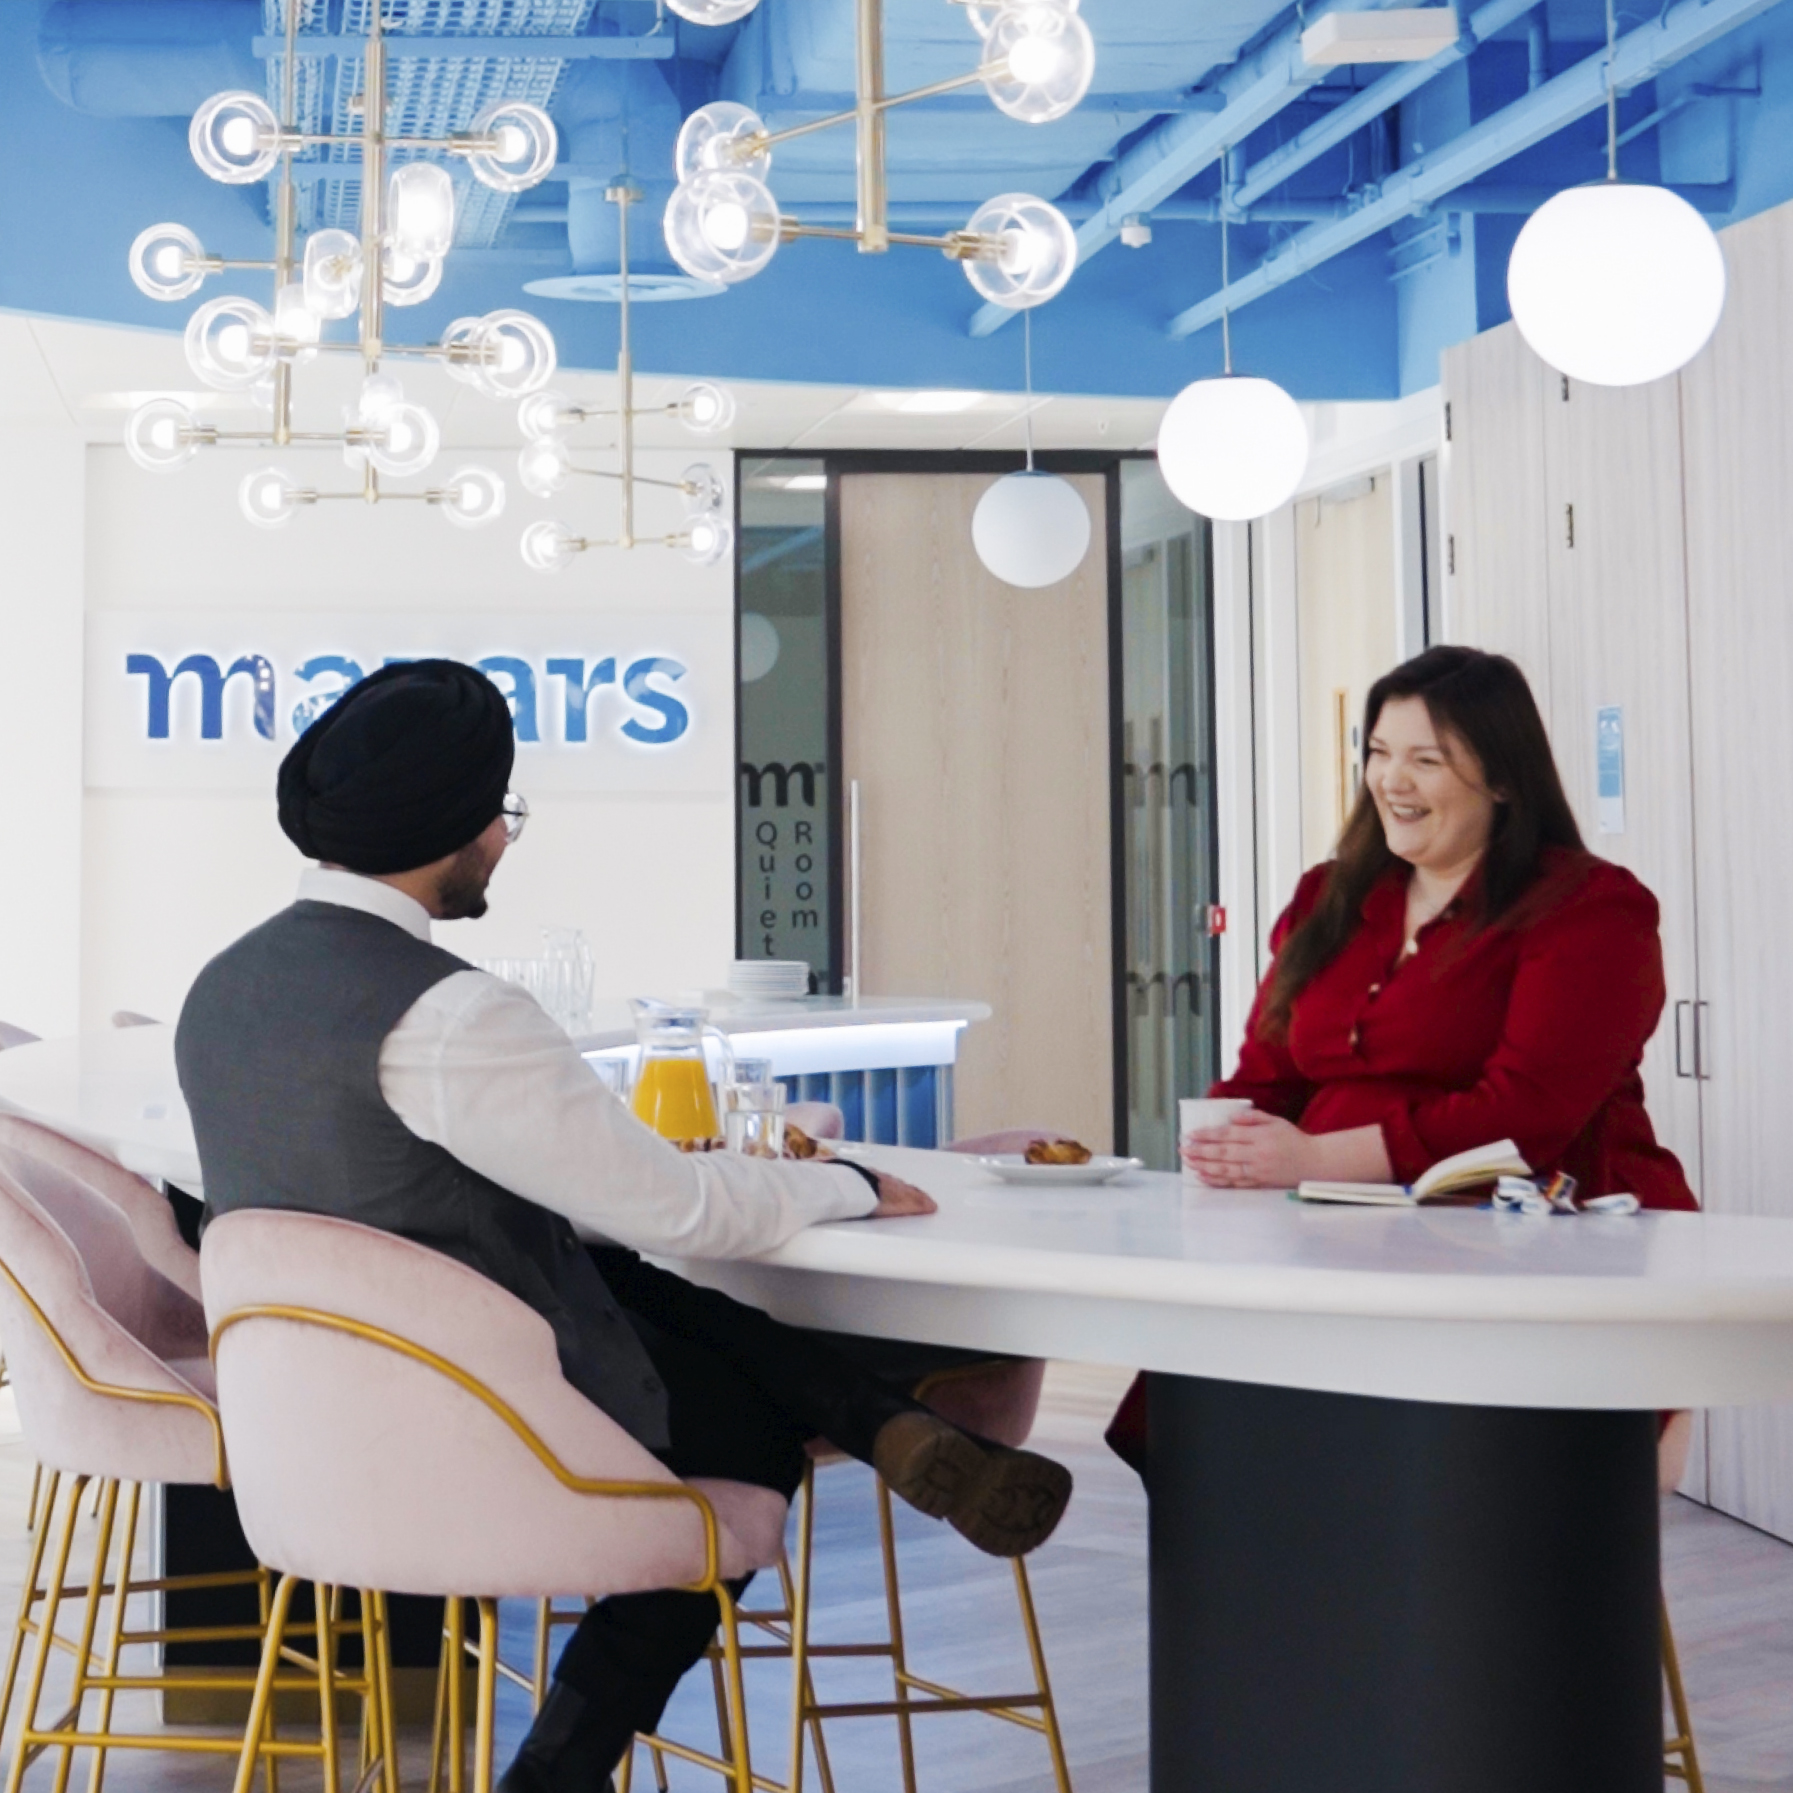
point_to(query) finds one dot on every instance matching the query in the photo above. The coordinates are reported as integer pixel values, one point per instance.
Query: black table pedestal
(1350, 1593)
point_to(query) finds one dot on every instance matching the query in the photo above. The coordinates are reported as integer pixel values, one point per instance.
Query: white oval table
(1404, 1518)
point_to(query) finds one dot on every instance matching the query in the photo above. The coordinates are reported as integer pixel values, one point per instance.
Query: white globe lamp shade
(1031, 529)
(1616, 284)
(1233, 448)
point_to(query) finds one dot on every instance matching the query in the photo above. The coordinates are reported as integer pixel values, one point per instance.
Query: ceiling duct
(163, 61)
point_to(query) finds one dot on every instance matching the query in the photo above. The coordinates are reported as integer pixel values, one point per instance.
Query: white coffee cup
(1204, 1111)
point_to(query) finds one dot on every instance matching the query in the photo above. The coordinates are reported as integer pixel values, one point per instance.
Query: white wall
(160, 880)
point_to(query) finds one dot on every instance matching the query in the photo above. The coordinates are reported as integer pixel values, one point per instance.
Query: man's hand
(896, 1198)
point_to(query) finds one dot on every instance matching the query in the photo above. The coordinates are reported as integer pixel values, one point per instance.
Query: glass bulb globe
(722, 226)
(460, 343)
(420, 211)
(712, 137)
(1616, 284)
(543, 466)
(407, 441)
(707, 539)
(472, 498)
(1039, 59)
(164, 262)
(1031, 529)
(516, 354)
(231, 342)
(268, 498)
(712, 12)
(526, 148)
(1233, 448)
(705, 408)
(550, 547)
(380, 395)
(332, 273)
(1038, 252)
(545, 414)
(407, 279)
(235, 138)
(161, 435)
(703, 489)
(295, 324)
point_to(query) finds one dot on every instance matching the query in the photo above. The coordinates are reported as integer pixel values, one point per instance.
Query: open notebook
(1450, 1179)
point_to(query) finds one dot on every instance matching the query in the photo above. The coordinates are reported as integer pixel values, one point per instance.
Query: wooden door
(976, 718)
(1738, 399)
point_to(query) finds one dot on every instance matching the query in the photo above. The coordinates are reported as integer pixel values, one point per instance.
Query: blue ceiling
(97, 94)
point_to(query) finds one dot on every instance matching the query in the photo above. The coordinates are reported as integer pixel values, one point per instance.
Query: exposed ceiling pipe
(1641, 56)
(1275, 168)
(1170, 155)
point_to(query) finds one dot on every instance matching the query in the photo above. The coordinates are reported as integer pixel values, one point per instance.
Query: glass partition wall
(792, 899)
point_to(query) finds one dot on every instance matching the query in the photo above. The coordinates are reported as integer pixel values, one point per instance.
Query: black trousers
(744, 1395)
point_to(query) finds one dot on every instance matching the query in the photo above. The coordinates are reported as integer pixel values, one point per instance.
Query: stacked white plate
(769, 977)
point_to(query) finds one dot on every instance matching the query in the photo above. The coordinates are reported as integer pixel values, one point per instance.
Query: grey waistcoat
(278, 1050)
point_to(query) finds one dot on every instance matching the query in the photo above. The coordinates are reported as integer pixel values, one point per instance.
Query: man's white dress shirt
(476, 1067)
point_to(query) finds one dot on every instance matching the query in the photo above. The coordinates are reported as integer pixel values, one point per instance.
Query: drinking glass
(753, 1118)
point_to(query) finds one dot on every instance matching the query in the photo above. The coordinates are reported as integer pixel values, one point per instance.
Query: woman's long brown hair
(1483, 702)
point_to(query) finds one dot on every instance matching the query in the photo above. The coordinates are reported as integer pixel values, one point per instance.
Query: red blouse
(1530, 1030)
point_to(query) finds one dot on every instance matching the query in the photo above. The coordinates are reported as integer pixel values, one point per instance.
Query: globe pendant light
(1031, 529)
(1232, 448)
(1616, 284)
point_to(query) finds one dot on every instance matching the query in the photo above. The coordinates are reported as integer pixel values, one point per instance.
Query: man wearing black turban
(336, 1061)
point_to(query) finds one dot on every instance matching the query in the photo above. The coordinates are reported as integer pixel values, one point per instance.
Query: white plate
(1012, 1167)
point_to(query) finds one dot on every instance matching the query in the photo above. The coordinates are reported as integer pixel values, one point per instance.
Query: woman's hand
(896, 1198)
(1256, 1151)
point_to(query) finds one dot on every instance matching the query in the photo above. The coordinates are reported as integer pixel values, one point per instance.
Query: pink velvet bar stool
(113, 1389)
(395, 1420)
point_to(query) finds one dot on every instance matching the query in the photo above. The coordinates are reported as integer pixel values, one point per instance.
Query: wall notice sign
(1609, 768)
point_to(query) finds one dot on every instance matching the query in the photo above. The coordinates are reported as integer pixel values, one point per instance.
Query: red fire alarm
(1216, 918)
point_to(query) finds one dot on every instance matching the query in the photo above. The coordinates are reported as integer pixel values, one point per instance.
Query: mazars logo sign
(606, 701)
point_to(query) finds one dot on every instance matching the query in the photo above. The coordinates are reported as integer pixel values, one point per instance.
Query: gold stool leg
(30, 1593)
(893, 1600)
(1681, 1744)
(439, 1718)
(737, 1692)
(382, 1673)
(324, 1613)
(121, 1593)
(105, 1506)
(1036, 1650)
(457, 1697)
(544, 1627)
(255, 1730)
(37, 1483)
(46, 1631)
(798, 1592)
(487, 1696)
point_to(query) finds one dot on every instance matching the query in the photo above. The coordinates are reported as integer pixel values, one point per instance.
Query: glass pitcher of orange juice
(672, 1081)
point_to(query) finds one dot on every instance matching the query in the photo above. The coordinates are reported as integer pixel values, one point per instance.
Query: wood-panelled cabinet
(1633, 550)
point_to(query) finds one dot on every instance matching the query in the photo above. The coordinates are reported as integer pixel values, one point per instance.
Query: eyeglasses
(515, 811)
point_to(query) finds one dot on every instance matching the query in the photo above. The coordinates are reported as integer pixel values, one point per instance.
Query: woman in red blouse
(1464, 970)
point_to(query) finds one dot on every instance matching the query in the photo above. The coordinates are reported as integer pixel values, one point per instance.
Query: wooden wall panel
(975, 717)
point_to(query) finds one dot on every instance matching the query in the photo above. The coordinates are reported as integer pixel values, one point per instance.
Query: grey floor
(1730, 1592)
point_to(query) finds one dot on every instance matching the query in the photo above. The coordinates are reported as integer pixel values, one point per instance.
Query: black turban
(405, 768)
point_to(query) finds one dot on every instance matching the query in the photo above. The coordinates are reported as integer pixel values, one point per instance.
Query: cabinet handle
(1681, 1069)
(1569, 522)
(1699, 1041)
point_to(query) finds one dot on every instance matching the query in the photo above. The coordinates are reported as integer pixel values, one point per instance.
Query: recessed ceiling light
(930, 404)
(130, 401)
(806, 482)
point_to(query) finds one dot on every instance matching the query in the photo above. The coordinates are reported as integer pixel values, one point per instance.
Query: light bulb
(1031, 529)
(295, 324)
(235, 138)
(703, 489)
(164, 262)
(705, 408)
(268, 498)
(1616, 284)
(516, 354)
(1233, 448)
(460, 345)
(407, 279)
(231, 342)
(332, 273)
(161, 435)
(722, 226)
(712, 12)
(380, 395)
(543, 466)
(407, 441)
(1039, 59)
(1037, 251)
(708, 538)
(545, 414)
(420, 210)
(549, 547)
(712, 138)
(525, 146)
(472, 498)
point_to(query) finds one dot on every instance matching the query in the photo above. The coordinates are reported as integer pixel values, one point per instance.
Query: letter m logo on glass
(211, 679)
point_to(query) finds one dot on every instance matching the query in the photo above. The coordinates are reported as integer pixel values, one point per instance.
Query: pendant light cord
(1612, 91)
(1226, 316)
(1027, 375)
